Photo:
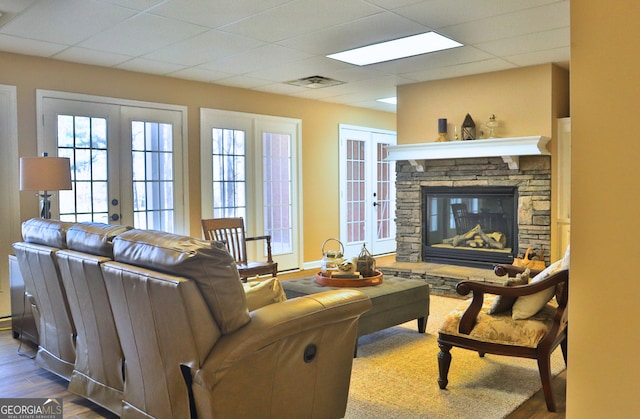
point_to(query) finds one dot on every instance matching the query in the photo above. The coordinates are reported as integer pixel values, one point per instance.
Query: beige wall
(522, 100)
(604, 338)
(319, 127)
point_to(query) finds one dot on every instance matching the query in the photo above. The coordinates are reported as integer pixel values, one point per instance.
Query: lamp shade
(45, 173)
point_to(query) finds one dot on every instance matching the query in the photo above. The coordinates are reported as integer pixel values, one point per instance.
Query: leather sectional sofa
(152, 324)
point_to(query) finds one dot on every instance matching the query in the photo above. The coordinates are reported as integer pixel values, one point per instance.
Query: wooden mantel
(510, 149)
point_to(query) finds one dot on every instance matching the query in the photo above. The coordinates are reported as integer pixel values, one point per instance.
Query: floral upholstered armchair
(519, 318)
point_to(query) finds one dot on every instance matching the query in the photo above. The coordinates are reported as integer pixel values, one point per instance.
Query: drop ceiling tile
(140, 5)
(356, 34)
(20, 45)
(558, 56)
(315, 66)
(142, 34)
(371, 89)
(214, 14)
(142, 65)
(65, 21)
(169, 37)
(14, 6)
(477, 67)
(257, 59)
(393, 4)
(244, 82)
(455, 56)
(299, 17)
(88, 56)
(354, 74)
(442, 13)
(536, 41)
(279, 88)
(202, 48)
(200, 74)
(508, 25)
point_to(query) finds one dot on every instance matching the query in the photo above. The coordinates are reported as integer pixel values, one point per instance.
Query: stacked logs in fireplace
(476, 238)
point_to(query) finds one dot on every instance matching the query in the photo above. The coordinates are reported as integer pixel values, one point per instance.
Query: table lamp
(45, 174)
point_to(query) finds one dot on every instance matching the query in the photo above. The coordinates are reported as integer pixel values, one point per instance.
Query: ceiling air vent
(315, 82)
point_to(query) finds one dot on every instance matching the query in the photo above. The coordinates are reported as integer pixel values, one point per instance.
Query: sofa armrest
(277, 322)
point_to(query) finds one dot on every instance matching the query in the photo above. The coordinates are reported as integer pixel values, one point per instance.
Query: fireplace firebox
(472, 226)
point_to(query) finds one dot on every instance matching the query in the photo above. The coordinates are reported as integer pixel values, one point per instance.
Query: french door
(126, 161)
(250, 169)
(367, 190)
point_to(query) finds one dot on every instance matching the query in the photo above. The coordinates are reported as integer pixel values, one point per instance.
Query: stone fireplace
(520, 214)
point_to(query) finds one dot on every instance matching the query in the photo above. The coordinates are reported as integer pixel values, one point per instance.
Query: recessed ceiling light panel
(391, 100)
(398, 48)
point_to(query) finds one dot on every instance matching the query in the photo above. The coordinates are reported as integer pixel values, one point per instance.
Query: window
(250, 169)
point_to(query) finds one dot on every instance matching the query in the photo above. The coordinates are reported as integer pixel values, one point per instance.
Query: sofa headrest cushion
(94, 238)
(46, 232)
(207, 263)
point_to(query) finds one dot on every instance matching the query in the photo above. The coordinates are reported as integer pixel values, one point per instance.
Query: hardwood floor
(21, 377)
(536, 407)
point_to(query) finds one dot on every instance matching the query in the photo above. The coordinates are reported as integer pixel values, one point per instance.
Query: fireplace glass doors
(470, 226)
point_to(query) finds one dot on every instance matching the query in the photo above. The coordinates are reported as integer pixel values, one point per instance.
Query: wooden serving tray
(348, 282)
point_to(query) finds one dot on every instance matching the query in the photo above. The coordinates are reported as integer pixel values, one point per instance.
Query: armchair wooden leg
(422, 324)
(565, 347)
(544, 366)
(444, 361)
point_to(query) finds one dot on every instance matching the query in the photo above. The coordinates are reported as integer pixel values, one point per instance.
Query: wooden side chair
(231, 232)
(464, 220)
(531, 325)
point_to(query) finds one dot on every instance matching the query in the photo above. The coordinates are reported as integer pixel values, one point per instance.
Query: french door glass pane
(277, 187)
(383, 198)
(152, 157)
(229, 168)
(355, 191)
(84, 141)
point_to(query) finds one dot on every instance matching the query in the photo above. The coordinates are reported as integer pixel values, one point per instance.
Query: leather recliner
(39, 267)
(98, 369)
(193, 349)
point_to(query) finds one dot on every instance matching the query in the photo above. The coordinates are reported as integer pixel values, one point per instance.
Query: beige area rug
(395, 376)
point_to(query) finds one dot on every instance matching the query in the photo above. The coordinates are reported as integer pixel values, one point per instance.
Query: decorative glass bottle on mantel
(492, 124)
